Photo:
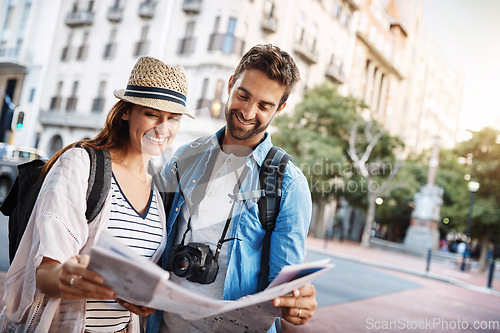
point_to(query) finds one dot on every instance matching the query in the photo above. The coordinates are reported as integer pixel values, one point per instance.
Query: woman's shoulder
(75, 157)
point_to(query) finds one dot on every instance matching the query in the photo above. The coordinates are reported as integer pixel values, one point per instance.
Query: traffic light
(18, 119)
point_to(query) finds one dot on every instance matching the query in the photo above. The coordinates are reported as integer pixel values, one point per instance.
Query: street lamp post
(473, 188)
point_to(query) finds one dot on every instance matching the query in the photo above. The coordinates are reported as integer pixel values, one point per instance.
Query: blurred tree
(482, 152)
(375, 161)
(317, 135)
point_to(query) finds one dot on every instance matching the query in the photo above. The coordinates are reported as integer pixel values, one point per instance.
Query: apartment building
(74, 53)
(26, 37)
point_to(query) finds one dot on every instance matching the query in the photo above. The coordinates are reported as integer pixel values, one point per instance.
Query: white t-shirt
(207, 225)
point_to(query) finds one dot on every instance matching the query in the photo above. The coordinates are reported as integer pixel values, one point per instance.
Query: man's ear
(230, 84)
(279, 109)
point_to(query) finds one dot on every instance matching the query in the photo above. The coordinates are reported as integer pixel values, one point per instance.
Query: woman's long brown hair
(115, 134)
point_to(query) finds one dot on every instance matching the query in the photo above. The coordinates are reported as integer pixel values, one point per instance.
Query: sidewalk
(438, 270)
(447, 301)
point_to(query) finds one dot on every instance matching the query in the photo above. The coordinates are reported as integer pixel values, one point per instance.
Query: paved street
(373, 290)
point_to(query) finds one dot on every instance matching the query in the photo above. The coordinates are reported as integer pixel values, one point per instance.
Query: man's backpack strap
(99, 183)
(270, 178)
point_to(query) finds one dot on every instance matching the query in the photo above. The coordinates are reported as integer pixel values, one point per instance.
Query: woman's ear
(125, 115)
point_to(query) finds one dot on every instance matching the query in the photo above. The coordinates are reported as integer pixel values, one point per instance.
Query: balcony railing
(269, 24)
(146, 10)
(335, 73)
(115, 14)
(78, 19)
(191, 6)
(11, 53)
(307, 53)
(186, 45)
(74, 119)
(226, 43)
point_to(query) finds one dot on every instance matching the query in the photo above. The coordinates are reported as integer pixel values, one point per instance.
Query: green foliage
(316, 135)
(482, 152)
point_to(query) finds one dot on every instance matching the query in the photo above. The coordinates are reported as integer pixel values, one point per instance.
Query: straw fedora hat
(156, 85)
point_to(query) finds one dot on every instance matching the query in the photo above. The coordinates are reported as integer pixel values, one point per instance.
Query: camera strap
(222, 239)
(236, 189)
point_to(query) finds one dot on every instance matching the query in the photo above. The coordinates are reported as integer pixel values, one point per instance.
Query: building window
(216, 24)
(337, 9)
(228, 44)
(24, 20)
(82, 50)
(98, 103)
(141, 47)
(72, 100)
(203, 102)
(65, 55)
(300, 31)
(55, 102)
(186, 44)
(8, 15)
(109, 48)
(346, 18)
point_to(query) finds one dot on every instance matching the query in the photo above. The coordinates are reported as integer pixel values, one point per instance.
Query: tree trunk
(367, 231)
(483, 257)
(319, 223)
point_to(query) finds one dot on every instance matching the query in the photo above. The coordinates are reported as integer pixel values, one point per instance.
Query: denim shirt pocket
(249, 229)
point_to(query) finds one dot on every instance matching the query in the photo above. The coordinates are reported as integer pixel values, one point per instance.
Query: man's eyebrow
(248, 93)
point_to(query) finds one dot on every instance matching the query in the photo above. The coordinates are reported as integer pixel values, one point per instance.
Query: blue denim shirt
(287, 239)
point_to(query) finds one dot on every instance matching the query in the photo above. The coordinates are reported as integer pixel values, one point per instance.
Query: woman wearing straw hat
(48, 287)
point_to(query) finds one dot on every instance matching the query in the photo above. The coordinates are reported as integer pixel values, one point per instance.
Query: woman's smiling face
(151, 131)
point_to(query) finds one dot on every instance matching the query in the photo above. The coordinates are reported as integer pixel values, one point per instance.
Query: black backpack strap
(99, 183)
(270, 178)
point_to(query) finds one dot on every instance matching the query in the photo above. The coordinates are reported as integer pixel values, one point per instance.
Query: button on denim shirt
(287, 239)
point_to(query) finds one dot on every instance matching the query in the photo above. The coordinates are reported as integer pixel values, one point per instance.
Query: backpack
(270, 179)
(22, 196)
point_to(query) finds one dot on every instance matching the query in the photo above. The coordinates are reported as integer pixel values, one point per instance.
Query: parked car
(10, 157)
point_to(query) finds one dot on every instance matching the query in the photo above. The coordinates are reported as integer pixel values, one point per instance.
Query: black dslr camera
(194, 261)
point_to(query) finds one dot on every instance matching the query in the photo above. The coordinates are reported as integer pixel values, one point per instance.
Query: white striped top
(140, 232)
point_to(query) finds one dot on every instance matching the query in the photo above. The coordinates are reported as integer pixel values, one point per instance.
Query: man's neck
(230, 145)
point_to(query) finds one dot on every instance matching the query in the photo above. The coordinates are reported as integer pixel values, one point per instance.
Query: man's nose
(249, 111)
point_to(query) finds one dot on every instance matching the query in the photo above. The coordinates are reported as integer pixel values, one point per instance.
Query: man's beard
(238, 133)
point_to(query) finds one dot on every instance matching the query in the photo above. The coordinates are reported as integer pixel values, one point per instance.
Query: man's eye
(243, 97)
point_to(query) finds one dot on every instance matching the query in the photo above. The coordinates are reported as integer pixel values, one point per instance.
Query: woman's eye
(149, 114)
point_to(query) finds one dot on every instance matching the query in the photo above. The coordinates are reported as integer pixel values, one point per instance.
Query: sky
(468, 33)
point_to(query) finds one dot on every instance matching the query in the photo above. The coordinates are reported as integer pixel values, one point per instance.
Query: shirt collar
(259, 153)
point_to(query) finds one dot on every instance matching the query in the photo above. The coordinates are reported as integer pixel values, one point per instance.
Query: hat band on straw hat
(156, 93)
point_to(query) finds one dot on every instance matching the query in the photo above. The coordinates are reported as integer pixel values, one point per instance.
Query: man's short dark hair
(276, 63)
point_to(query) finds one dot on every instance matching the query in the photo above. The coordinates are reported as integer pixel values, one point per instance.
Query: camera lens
(182, 264)
(185, 264)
